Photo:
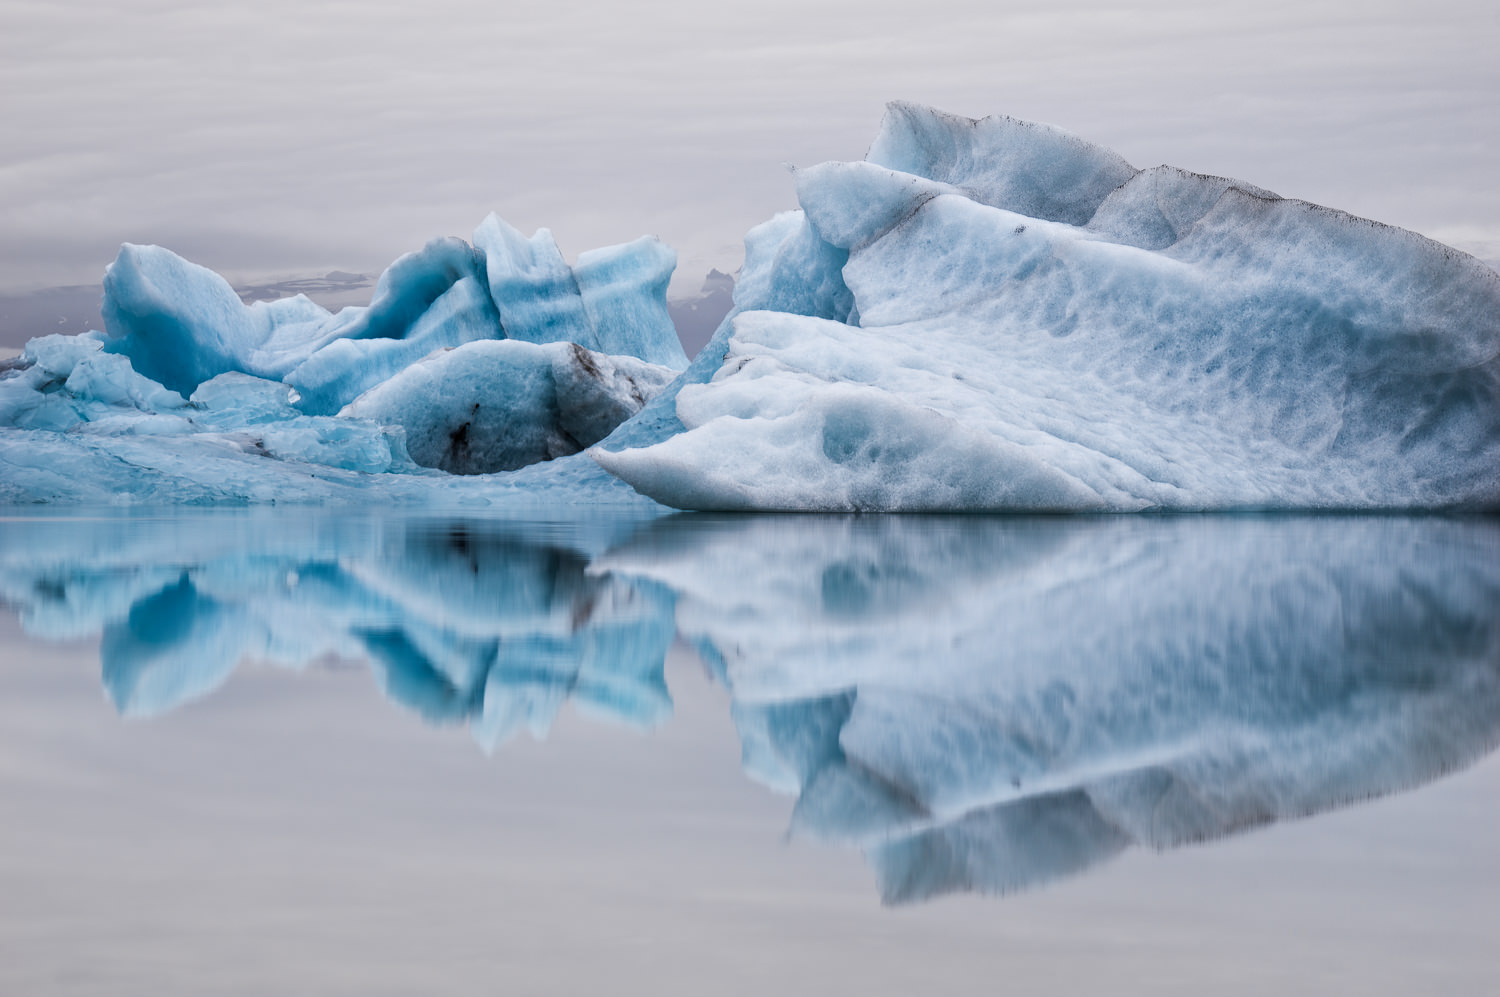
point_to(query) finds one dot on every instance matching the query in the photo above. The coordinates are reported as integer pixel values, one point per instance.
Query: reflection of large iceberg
(978, 704)
(997, 315)
(988, 704)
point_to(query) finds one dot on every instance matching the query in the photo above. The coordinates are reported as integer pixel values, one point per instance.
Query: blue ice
(190, 396)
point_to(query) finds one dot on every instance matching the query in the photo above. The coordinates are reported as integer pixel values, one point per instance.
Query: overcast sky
(284, 137)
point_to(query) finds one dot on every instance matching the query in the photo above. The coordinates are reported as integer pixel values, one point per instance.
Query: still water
(308, 752)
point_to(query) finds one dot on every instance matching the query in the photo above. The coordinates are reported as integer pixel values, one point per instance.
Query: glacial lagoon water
(272, 751)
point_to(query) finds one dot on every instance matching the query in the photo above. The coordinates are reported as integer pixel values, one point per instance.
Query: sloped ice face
(613, 302)
(788, 268)
(336, 374)
(1032, 324)
(181, 324)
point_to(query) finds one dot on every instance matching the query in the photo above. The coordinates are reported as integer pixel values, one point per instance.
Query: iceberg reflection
(976, 703)
(491, 623)
(987, 704)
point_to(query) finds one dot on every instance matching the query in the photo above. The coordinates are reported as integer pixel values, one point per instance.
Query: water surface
(271, 751)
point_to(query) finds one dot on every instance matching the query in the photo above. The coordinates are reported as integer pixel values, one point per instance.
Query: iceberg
(981, 316)
(999, 316)
(471, 358)
(181, 324)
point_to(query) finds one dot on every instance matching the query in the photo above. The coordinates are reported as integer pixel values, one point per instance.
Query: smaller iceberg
(471, 359)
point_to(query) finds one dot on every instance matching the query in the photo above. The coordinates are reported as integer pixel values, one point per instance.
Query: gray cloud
(293, 137)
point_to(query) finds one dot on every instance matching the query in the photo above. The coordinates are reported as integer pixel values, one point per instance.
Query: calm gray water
(298, 752)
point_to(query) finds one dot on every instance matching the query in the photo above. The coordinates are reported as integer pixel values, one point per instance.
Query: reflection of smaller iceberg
(990, 704)
(478, 623)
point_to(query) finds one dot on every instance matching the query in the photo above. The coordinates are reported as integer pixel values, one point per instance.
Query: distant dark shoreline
(74, 308)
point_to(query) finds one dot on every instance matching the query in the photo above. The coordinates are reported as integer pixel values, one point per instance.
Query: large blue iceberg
(981, 316)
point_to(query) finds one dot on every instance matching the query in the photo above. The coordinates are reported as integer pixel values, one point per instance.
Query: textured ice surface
(497, 406)
(787, 268)
(75, 390)
(343, 370)
(995, 315)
